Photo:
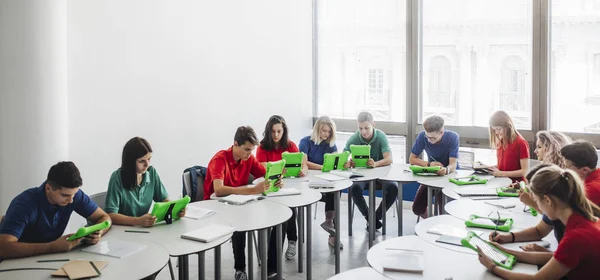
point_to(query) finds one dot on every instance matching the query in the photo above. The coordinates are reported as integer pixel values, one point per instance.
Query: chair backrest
(193, 182)
(1, 221)
(100, 199)
(465, 159)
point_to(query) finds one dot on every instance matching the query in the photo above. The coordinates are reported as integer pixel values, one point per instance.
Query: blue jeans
(391, 193)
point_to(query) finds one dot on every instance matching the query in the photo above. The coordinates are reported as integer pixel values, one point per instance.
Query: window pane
(477, 59)
(575, 66)
(361, 58)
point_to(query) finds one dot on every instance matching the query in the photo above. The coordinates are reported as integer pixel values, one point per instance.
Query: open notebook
(476, 192)
(321, 184)
(115, 248)
(403, 260)
(239, 199)
(450, 230)
(196, 213)
(208, 233)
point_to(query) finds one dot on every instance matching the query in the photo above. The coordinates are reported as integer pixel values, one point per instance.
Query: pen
(56, 260)
(137, 231)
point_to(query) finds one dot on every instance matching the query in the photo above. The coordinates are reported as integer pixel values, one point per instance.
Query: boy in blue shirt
(37, 218)
(442, 150)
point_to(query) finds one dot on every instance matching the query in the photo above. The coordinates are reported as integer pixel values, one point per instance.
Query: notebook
(329, 177)
(346, 174)
(321, 184)
(503, 203)
(239, 199)
(476, 192)
(80, 269)
(208, 233)
(404, 261)
(449, 230)
(115, 248)
(284, 192)
(61, 272)
(196, 213)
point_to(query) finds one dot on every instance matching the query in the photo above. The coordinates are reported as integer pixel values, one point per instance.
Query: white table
(339, 186)
(361, 273)
(463, 208)
(139, 265)
(170, 237)
(424, 225)
(439, 262)
(257, 215)
(492, 183)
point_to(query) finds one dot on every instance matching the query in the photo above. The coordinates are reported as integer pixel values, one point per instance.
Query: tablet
(334, 161)
(424, 170)
(526, 190)
(469, 180)
(274, 171)
(360, 154)
(85, 231)
(502, 224)
(167, 211)
(293, 164)
(507, 192)
(499, 257)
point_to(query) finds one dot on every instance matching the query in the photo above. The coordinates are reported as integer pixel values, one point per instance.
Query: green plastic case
(85, 231)
(167, 211)
(360, 154)
(334, 161)
(525, 189)
(469, 180)
(507, 192)
(506, 226)
(274, 171)
(293, 164)
(508, 263)
(417, 170)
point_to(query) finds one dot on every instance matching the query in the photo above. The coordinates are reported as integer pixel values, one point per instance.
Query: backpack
(193, 182)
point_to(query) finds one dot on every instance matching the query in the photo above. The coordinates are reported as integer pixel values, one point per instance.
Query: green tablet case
(506, 226)
(167, 211)
(360, 154)
(507, 192)
(525, 189)
(334, 161)
(274, 171)
(85, 231)
(499, 257)
(469, 180)
(293, 164)
(424, 169)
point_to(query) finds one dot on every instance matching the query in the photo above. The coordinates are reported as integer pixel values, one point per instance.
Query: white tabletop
(492, 183)
(306, 197)
(362, 273)
(250, 216)
(170, 235)
(136, 266)
(371, 173)
(443, 182)
(439, 262)
(400, 172)
(339, 185)
(463, 208)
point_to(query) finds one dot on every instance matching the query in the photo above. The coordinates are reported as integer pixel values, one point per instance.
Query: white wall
(33, 93)
(184, 75)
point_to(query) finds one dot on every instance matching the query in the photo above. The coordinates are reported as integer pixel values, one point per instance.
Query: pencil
(137, 231)
(55, 260)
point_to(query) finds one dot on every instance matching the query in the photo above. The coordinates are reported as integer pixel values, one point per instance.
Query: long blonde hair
(566, 186)
(315, 136)
(553, 141)
(501, 118)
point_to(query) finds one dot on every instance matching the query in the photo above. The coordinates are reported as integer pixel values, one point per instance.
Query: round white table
(256, 215)
(439, 263)
(464, 208)
(138, 265)
(170, 237)
(361, 273)
(492, 183)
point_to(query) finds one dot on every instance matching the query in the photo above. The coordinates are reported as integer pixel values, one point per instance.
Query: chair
(100, 199)
(378, 187)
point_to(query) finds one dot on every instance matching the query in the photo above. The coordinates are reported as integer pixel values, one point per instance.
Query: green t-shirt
(379, 143)
(135, 202)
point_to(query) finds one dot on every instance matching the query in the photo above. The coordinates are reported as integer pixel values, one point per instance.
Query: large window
(361, 58)
(575, 66)
(477, 58)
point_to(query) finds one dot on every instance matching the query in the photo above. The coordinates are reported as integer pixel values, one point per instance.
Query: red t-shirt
(579, 249)
(263, 155)
(592, 187)
(233, 173)
(509, 158)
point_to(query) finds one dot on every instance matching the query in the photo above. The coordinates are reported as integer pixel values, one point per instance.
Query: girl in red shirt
(512, 150)
(275, 141)
(559, 194)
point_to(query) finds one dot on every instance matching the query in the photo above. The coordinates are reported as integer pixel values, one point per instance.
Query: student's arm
(304, 147)
(99, 216)
(515, 173)
(261, 156)
(304, 171)
(541, 230)
(552, 270)
(313, 166)
(387, 160)
(222, 190)
(113, 202)
(453, 154)
(12, 248)
(451, 165)
(415, 160)
(416, 151)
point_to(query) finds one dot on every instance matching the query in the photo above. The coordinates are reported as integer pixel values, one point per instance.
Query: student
(315, 146)
(442, 150)
(37, 217)
(512, 150)
(227, 171)
(275, 141)
(559, 194)
(133, 187)
(381, 155)
(578, 157)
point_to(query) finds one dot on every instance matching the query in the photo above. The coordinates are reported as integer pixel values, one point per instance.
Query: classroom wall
(184, 75)
(33, 93)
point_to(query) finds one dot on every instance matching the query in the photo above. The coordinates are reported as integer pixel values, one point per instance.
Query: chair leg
(257, 249)
(396, 204)
(171, 270)
(316, 208)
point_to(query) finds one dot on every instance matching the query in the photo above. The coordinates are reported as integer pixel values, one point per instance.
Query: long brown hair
(501, 118)
(135, 148)
(553, 141)
(564, 185)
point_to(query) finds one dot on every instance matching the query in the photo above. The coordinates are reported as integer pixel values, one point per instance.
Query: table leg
(308, 243)
(371, 212)
(279, 233)
(383, 210)
(350, 208)
(218, 262)
(184, 269)
(262, 245)
(429, 207)
(300, 242)
(336, 204)
(399, 210)
(201, 260)
(250, 244)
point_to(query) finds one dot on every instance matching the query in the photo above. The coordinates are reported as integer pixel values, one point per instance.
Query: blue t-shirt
(315, 152)
(559, 228)
(32, 219)
(441, 151)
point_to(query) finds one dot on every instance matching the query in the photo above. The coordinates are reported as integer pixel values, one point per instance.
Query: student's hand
(352, 164)
(484, 260)
(279, 183)
(443, 171)
(371, 163)
(146, 220)
(501, 237)
(436, 163)
(283, 172)
(261, 187)
(93, 238)
(515, 186)
(301, 174)
(181, 213)
(62, 245)
(534, 248)
(527, 200)
(349, 163)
